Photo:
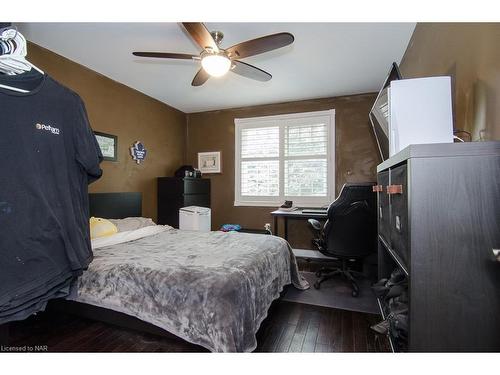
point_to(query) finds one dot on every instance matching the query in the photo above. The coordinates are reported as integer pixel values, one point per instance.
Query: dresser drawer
(202, 200)
(196, 186)
(383, 213)
(398, 196)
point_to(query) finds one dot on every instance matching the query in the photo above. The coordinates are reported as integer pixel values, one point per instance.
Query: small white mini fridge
(420, 112)
(195, 218)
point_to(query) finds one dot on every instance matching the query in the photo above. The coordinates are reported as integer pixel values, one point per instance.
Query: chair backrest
(351, 228)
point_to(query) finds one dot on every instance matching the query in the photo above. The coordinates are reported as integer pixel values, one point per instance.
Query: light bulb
(216, 65)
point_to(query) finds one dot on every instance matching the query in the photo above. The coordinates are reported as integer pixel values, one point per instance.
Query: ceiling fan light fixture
(217, 61)
(216, 64)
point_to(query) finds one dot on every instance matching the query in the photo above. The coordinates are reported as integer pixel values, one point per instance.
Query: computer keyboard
(314, 211)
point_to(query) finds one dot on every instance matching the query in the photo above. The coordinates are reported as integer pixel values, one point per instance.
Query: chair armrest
(315, 224)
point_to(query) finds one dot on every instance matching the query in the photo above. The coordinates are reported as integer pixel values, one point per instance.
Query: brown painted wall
(470, 53)
(356, 155)
(117, 109)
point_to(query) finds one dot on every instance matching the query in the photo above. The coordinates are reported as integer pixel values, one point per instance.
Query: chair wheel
(317, 284)
(355, 293)
(318, 273)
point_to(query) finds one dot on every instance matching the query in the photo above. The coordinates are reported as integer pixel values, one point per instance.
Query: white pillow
(132, 223)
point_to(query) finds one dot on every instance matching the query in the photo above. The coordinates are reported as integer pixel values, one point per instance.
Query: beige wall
(467, 52)
(470, 53)
(356, 153)
(119, 110)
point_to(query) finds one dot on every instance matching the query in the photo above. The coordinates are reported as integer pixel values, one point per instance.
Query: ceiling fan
(216, 61)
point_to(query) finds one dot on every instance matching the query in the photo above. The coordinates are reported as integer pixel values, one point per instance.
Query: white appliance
(195, 218)
(420, 111)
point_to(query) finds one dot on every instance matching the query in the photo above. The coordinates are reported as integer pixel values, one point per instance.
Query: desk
(297, 214)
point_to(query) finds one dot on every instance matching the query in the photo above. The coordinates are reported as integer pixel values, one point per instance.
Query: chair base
(344, 272)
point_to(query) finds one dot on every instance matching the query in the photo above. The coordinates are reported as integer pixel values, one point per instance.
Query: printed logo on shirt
(47, 128)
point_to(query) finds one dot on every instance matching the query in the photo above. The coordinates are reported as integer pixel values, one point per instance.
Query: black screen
(379, 116)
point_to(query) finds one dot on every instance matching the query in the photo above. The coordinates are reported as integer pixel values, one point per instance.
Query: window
(286, 157)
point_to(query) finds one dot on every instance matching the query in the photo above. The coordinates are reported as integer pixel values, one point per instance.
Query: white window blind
(287, 157)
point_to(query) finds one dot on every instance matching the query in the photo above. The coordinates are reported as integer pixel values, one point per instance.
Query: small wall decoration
(108, 144)
(138, 152)
(209, 162)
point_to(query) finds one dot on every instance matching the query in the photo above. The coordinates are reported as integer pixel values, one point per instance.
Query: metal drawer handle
(394, 189)
(377, 188)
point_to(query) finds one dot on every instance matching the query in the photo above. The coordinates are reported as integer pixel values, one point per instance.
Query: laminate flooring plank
(294, 313)
(324, 326)
(309, 345)
(335, 330)
(360, 332)
(87, 341)
(321, 348)
(72, 342)
(285, 339)
(303, 322)
(112, 340)
(347, 332)
(300, 329)
(272, 338)
(296, 343)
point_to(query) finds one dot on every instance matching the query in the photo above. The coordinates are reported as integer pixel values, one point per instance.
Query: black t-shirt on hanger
(48, 155)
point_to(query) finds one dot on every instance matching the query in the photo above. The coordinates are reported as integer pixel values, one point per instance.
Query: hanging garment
(48, 155)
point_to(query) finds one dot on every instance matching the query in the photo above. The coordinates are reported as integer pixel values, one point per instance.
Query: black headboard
(115, 205)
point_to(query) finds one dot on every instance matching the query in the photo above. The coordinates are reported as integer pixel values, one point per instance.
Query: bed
(212, 289)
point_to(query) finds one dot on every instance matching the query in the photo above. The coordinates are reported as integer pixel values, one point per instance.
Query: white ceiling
(326, 59)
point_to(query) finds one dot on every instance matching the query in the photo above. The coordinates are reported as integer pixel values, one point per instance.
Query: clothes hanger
(14, 61)
(15, 58)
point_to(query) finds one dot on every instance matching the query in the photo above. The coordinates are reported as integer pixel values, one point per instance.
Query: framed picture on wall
(108, 144)
(209, 162)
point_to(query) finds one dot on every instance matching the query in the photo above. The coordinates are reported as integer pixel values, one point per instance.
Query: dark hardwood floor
(293, 327)
(289, 327)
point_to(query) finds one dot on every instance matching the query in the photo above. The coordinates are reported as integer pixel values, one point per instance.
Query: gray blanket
(212, 289)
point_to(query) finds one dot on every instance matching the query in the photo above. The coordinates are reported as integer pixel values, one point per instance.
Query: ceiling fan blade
(250, 71)
(260, 45)
(200, 78)
(166, 55)
(200, 34)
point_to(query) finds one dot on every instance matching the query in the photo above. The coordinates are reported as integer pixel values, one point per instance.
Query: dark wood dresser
(439, 221)
(177, 192)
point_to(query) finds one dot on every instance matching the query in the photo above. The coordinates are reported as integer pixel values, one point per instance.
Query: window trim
(256, 122)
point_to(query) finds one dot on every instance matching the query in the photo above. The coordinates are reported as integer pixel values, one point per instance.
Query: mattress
(210, 288)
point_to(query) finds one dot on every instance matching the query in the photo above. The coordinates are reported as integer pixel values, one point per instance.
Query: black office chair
(350, 232)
